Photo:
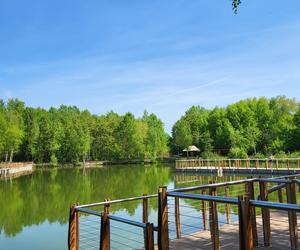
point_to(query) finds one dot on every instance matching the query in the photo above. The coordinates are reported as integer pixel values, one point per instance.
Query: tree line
(254, 126)
(68, 135)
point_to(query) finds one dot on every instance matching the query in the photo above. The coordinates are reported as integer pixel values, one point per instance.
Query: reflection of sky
(154, 55)
(46, 236)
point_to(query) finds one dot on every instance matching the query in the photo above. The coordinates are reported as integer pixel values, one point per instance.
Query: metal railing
(204, 213)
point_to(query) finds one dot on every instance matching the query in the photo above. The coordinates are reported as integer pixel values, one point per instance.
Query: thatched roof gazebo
(192, 149)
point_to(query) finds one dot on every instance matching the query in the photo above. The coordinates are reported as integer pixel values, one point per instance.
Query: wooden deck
(229, 236)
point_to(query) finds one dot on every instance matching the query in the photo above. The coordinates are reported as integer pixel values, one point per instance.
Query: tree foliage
(244, 128)
(68, 135)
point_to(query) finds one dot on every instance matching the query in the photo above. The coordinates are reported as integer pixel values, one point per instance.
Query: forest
(68, 135)
(254, 127)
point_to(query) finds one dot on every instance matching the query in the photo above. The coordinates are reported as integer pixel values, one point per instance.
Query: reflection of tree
(47, 194)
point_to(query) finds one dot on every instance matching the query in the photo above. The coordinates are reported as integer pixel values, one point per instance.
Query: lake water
(34, 208)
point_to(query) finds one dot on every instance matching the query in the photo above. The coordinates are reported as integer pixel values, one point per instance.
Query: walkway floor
(229, 238)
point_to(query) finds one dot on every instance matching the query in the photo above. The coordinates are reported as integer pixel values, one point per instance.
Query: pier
(16, 169)
(282, 166)
(254, 213)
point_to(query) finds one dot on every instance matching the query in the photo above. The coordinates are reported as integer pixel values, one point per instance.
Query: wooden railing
(14, 164)
(241, 208)
(288, 163)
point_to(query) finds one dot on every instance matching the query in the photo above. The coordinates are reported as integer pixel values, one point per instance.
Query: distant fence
(15, 164)
(278, 163)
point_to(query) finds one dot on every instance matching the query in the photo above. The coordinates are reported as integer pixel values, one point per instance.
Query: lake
(34, 208)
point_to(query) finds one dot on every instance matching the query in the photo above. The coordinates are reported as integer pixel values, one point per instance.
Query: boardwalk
(229, 236)
(241, 217)
(14, 170)
(240, 166)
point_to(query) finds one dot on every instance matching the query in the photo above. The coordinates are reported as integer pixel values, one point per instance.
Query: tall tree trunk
(11, 156)
(6, 156)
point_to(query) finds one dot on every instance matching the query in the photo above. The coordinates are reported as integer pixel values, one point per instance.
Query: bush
(210, 155)
(258, 156)
(280, 154)
(295, 154)
(237, 153)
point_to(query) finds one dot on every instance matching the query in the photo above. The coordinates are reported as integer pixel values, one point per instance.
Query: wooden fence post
(265, 214)
(227, 206)
(149, 243)
(177, 218)
(105, 229)
(280, 195)
(291, 198)
(245, 224)
(213, 221)
(251, 196)
(73, 232)
(105, 232)
(145, 215)
(163, 229)
(203, 207)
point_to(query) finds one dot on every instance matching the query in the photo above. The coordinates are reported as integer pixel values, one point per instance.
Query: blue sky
(163, 56)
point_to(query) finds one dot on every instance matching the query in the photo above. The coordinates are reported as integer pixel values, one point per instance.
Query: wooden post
(149, 243)
(291, 198)
(227, 206)
(245, 225)
(145, 216)
(177, 218)
(251, 196)
(105, 232)
(73, 232)
(265, 214)
(213, 221)
(145, 209)
(280, 195)
(203, 207)
(163, 229)
(105, 229)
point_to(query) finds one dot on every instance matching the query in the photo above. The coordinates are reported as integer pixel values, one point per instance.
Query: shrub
(210, 155)
(258, 156)
(295, 154)
(280, 154)
(237, 153)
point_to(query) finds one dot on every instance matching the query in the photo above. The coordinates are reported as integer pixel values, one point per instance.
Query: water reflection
(41, 200)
